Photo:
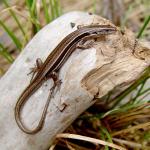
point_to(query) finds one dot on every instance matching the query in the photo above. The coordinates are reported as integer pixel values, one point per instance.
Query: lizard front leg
(36, 69)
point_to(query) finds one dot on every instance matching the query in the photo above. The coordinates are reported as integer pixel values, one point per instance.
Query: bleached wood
(109, 64)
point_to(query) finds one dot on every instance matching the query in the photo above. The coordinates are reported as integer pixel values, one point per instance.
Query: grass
(140, 82)
(16, 19)
(146, 22)
(51, 10)
(52, 5)
(46, 13)
(94, 6)
(55, 9)
(130, 111)
(105, 136)
(5, 54)
(12, 35)
(31, 5)
(127, 112)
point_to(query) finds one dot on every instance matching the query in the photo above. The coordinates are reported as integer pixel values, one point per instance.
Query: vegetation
(130, 121)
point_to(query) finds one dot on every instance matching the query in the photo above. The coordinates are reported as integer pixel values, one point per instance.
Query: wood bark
(114, 62)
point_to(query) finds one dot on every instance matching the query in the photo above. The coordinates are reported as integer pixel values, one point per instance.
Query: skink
(53, 63)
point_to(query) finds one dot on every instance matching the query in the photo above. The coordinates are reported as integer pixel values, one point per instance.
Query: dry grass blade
(17, 11)
(69, 146)
(7, 9)
(52, 147)
(128, 143)
(119, 120)
(89, 139)
(140, 126)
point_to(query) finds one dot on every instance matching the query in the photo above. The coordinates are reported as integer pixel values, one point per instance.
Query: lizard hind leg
(57, 81)
(57, 84)
(35, 69)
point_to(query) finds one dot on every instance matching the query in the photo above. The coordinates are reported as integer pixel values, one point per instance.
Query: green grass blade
(132, 87)
(16, 19)
(12, 35)
(57, 8)
(139, 91)
(145, 91)
(94, 6)
(52, 10)
(143, 27)
(5, 54)
(121, 109)
(46, 13)
(35, 17)
(147, 20)
(107, 135)
(103, 138)
(31, 4)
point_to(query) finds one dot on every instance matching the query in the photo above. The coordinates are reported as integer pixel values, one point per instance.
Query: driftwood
(114, 62)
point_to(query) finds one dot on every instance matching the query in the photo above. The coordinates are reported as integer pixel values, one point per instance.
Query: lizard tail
(20, 103)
